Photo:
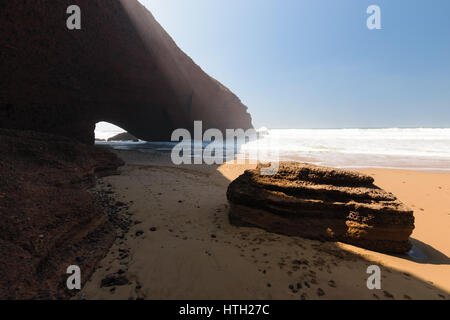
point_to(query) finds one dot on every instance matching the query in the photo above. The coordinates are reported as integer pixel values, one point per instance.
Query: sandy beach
(182, 246)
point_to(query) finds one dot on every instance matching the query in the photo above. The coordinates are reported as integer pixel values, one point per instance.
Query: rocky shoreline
(120, 218)
(49, 219)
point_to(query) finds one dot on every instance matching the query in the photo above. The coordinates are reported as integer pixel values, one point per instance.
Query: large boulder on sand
(321, 203)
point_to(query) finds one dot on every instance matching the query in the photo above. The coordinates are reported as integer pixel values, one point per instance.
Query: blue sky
(315, 64)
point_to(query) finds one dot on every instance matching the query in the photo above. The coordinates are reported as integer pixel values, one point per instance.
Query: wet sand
(182, 246)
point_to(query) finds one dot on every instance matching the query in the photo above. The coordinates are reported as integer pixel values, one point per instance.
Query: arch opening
(106, 131)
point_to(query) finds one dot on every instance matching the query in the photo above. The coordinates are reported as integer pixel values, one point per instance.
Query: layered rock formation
(321, 203)
(48, 219)
(121, 67)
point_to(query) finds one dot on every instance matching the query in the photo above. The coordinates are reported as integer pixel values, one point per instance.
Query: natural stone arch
(121, 67)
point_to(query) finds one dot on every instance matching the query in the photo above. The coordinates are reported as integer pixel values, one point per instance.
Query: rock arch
(121, 67)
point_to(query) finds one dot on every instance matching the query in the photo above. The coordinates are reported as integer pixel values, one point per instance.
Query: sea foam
(402, 148)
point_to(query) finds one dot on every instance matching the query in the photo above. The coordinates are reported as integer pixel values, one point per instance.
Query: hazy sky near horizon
(315, 64)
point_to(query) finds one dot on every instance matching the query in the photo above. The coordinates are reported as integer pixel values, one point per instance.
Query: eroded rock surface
(322, 203)
(49, 220)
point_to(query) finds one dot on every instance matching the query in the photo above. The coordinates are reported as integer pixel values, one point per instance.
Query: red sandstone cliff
(48, 219)
(121, 67)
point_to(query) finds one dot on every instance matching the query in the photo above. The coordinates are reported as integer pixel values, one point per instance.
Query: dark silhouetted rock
(124, 136)
(321, 203)
(114, 281)
(121, 67)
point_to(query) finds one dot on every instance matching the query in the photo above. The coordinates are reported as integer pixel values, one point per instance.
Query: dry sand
(194, 253)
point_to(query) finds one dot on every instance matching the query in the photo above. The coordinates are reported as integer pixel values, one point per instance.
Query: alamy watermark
(74, 20)
(211, 147)
(374, 20)
(74, 280)
(374, 280)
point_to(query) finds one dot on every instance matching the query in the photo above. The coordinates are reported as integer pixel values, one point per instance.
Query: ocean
(397, 148)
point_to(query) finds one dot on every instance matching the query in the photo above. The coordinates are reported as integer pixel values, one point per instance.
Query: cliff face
(322, 203)
(121, 67)
(49, 220)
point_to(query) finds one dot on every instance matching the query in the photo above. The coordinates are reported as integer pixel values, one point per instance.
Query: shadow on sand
(424, 253)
